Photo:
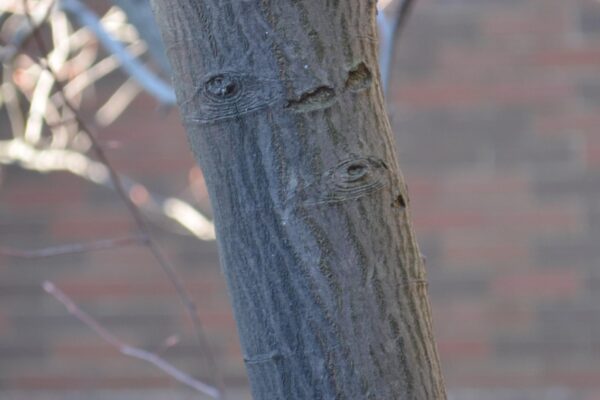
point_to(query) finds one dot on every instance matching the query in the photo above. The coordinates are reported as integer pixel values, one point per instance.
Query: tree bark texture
(285, 114)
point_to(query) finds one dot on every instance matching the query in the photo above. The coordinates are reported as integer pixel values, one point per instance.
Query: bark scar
(314, 99)
(359, 78)
(272, 356)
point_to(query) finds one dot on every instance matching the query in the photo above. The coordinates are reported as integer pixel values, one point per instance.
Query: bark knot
(228, 94)
(350, 179)
(222, 87)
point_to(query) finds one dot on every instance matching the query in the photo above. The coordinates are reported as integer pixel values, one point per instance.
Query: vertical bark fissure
(284, 112)
(391, 270)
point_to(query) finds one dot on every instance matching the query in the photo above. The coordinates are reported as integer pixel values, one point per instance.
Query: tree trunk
(285, 114)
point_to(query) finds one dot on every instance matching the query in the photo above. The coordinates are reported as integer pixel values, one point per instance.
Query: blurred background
(496, 108)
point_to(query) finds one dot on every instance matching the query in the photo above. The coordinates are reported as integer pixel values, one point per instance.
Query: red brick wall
(497, 108)
(496, 105)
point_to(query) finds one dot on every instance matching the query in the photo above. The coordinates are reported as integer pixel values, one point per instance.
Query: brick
(439, 221)
(592, 155)
(567, 186)
(552, 393)
(591, 395)
(83, 289)
(593, 283)
(549, 155)
(465, 251)
(568, 57)
(470, 218)
(424, 189)
(555, 154)
(418, 57)
(4, 323)
(463, 349)
(588, 17)
(538, 24)
(512, 380)
(555, 123)
(456, 139)
(10, 351)
(418, 54)
(58, 382)
(575, 321)
(564, 250)
(91, 226)
(431, 94)
(26, 195)
(512, 316)
(95, 349)
(462, 320)
(479, 5)
(481, 182)
(538, 285)
(485, 64)
(588, 90)
(452, 286)
(574, 378)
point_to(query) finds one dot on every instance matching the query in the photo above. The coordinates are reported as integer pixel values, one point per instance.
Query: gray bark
(284, 111)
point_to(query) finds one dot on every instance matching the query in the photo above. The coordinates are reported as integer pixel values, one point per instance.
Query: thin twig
(40, 97)
(97, 71)
(118, 102)
(126, 349)
(139, 14)
(11, 101)
(74, 248)
(135, 213)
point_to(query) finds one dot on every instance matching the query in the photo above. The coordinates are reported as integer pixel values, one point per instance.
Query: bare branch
(25, 31)
(135, 213)
(74, 248)
(390, 28)
(402, 16)
(16, 151)
(126, 349)
(117, 103)
(11, 101)
(139, 13)
(144, 77)
(97, 71)
(40, 98)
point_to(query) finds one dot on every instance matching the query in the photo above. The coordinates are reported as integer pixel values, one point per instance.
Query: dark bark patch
(315, 99)
(399, 202)
(359, 78)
